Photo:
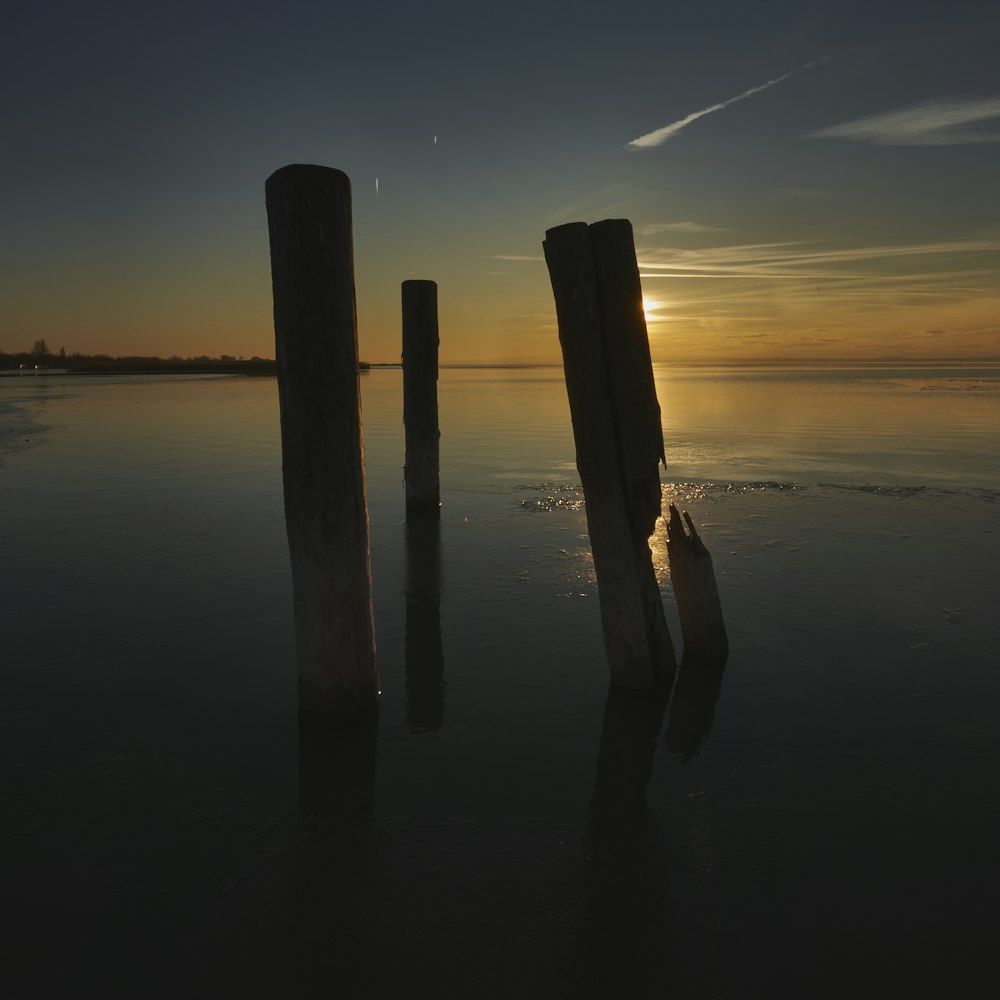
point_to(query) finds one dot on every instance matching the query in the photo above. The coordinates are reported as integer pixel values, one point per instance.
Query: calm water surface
(819, 819)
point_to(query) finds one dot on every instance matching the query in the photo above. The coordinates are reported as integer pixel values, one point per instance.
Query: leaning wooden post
(616, 427)
(421, 473)
(326, 511)
(693, 577)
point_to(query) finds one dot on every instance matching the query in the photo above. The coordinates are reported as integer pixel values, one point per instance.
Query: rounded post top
(419, 283)
(308, 173)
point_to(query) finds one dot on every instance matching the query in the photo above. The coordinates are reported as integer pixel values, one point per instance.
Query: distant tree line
(105, 364)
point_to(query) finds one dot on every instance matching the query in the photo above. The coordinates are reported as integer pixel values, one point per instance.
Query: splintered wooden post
(616, 428)
(326, 511)
(693, 579)
(421, 473)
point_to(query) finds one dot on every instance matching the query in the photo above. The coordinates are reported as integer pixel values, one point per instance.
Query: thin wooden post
(421, 473)
(616, 427)
(693, 579)
(326, 511)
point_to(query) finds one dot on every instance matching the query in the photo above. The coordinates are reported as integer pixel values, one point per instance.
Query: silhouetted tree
(40, 351)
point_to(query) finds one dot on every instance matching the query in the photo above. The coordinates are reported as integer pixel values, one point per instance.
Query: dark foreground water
(819, 819)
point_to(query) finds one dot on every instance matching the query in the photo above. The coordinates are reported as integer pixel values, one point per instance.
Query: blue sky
(819, 181)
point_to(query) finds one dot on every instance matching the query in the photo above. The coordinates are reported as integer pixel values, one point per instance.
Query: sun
(649, 309)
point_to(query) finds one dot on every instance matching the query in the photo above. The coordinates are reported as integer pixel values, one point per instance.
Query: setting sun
(649, 309)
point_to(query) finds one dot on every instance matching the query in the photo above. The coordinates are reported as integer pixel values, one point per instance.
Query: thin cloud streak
(661, 135)
(777, 282)
(514, 256)
(652, 228)
(941, 122)
(786, 260)
(611, 201)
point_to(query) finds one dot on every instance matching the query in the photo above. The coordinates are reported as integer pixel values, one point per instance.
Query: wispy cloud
(808, 194)
(652, 228)
(661, 135)
(762, 285)
(610, 201)
(945, 121)
(513, 256)
(853, 300)
(789, 260)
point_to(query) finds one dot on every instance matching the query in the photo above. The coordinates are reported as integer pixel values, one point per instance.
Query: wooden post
(693, 579)
(421, 472)
(326, 511)
(616, 427)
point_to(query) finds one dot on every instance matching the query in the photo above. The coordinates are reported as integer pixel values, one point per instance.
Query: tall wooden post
(616, 427)
(421, 474)
(326, 511)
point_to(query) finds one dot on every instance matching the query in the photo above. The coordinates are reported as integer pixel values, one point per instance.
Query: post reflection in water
(422, 648)
(333, 917)
(692, 706)
(628, 900)
(337, 773)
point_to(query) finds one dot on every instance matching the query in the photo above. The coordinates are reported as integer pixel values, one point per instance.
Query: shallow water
(827, 825)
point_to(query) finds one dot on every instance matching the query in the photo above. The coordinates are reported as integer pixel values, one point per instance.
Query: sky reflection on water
(830, 790)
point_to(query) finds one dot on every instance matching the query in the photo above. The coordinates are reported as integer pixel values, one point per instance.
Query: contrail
(661, 135)
(376, 187)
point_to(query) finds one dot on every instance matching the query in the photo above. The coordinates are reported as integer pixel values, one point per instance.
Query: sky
(807, 182)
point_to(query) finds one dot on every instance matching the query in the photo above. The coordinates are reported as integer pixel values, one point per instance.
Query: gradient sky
(806, 180)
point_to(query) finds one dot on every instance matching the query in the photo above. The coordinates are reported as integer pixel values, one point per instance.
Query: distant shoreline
(150, 366)
(268, 367)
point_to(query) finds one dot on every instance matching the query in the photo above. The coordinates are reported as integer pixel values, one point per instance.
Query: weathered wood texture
(695, 589)
(616, 428)
(326, 511)
(422, 471)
